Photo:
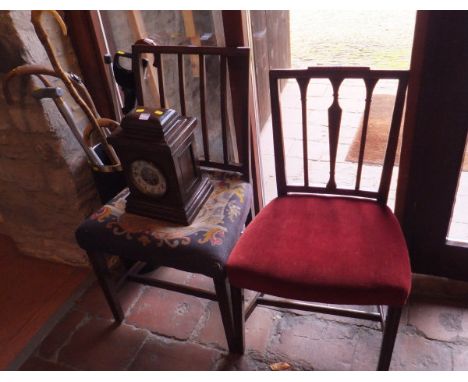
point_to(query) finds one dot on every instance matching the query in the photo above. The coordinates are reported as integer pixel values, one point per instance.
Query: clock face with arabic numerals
(148, 178)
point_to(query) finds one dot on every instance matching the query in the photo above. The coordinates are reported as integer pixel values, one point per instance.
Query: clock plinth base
(184, 215)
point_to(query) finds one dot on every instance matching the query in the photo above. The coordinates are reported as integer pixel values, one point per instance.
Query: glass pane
(458, 229)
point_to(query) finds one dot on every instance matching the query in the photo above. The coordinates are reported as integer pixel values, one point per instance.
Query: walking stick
(56, 95)
(40, 71)
(43, 37)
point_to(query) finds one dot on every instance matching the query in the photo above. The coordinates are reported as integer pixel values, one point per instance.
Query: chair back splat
(330, 243)
(336, 76)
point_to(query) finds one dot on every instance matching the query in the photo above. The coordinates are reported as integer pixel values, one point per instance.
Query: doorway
(378, 39)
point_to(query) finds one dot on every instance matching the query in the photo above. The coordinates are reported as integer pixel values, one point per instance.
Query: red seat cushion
(335, 250)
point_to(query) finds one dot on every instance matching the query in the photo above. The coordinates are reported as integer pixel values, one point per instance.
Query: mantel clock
(156, 148)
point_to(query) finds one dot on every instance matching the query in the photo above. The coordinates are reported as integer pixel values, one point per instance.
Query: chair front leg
(225, 306)
(98, 262)
(237, 298)
(389, 336)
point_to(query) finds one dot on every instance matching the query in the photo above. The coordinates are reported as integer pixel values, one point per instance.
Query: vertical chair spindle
(206, 145)
(370, 85)
(277, 137)
(180, 66)
(303, 84)
(223, 86)
(334, 124)
(159, 65)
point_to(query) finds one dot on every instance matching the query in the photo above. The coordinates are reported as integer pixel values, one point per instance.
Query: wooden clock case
(165, 140)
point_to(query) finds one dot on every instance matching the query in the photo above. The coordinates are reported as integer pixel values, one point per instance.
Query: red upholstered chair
(330, 244)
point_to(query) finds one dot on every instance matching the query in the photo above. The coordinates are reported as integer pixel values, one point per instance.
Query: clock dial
(148, 178)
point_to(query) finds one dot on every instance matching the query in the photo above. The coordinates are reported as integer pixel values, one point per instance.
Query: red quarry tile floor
(169, 331)
(32, 293)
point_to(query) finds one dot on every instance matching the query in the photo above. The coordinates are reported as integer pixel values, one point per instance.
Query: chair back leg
(389, 336)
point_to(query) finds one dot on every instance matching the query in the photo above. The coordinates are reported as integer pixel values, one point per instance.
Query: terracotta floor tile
(212, 331)
(170, 274)
(38, 364)
(167, 313)
(61, 333)
(159, 355)
(259, 329)
(94, 302)
(101, 345)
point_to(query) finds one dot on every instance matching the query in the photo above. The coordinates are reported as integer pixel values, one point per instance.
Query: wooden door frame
(434, 142)
(236, 27)
(88, 40)
(86, 35)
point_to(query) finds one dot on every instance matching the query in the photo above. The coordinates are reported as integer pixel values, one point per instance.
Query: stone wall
(46, 186)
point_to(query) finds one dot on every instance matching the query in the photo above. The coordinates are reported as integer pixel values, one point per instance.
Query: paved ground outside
(381, 39)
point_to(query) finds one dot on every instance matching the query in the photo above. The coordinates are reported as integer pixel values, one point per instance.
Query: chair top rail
(338, 72)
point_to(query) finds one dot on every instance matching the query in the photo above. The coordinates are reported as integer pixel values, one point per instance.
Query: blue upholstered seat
(201, 247)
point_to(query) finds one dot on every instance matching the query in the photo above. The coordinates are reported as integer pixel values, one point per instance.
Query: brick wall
(46, 186)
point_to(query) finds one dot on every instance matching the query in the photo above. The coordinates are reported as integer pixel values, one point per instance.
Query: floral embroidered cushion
(201, 247)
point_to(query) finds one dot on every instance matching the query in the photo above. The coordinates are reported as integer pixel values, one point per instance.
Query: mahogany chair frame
(336, 75)
(228, 58)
